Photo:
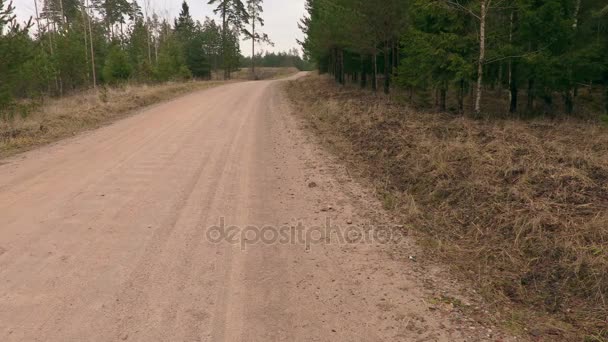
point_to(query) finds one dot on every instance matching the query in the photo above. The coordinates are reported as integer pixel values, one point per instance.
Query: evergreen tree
(15, 49)
(545, 49)
(211, 35)
(254, 11)
(234, 18)
(117, 67)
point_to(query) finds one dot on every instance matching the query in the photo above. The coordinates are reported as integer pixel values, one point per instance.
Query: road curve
(107, 236)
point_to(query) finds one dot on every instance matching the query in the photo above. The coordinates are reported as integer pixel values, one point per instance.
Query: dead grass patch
(60, 118)
(265, 73)
(518, 208)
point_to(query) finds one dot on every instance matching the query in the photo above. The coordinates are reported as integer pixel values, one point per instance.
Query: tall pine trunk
(499, 81)
(512, 71)
(569, 101)
(224, 40)
(253, 48)
(92, 49)
(341, 58)
(375, 71)
(86, 41)
(569, 93)
(606, 93)
(387, 67)
(363, 73)
(548, 104)
(513, 89)
(482, 56)
(605, 98)
(531, 96)
(442, 97)
(461, 92)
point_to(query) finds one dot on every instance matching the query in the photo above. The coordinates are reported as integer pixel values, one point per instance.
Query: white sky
(281, 16)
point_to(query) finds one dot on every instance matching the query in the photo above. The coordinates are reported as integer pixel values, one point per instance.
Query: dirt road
(109, 236)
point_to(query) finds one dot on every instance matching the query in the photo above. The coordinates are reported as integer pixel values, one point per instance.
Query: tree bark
(341, 56)
(513, 90)
(569, 101)
(605, 92)
(62, 13)
(387, 67)
(442, 98)
(605, 97)
(363, 73)
(92, 50)
(461, 91)
(577, 9)
(548, 104)
(568, 96)
(530, 105)
(375, 71)
(511, 72)
(499, 81)
(86, 41)
(253, 48)
(482, 56)
(224, 42)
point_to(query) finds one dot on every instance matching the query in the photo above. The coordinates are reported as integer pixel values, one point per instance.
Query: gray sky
(281, 18)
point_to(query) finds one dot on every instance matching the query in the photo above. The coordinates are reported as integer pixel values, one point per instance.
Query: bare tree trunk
(224, 35)
(482, 56)
(396, 55)
(531, 96)
(86, 40)
(442, 97)
(51, 48)
(341, 66)
(461, 91)
(499, 81)
(375, 71)
(50, 32)
(577, 9)
(156, 54)
(253, 47)
(37, 16)
(605, 94)
(511, 72)
(513, 88)
(92, 50)
(363, 73)
(569, 93)
(387, 67)
(62, 12)
(148, 38)
(334, 64)
(569, 101)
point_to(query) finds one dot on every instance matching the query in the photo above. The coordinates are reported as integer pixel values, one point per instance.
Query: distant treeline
(77, 44)
(536, 55)
(287, 59)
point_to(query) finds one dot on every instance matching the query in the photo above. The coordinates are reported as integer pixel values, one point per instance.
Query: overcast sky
(281, 18)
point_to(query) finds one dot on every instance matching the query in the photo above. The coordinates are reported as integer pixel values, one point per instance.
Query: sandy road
(104, 236)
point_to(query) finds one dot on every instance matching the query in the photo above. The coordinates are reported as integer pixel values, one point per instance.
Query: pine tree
(15, 49)
(234, 18)
(255, 11)
(117, 67)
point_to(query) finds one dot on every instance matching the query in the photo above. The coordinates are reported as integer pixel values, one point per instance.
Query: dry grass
(265, 73)
(518, 208)
(60, 118)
